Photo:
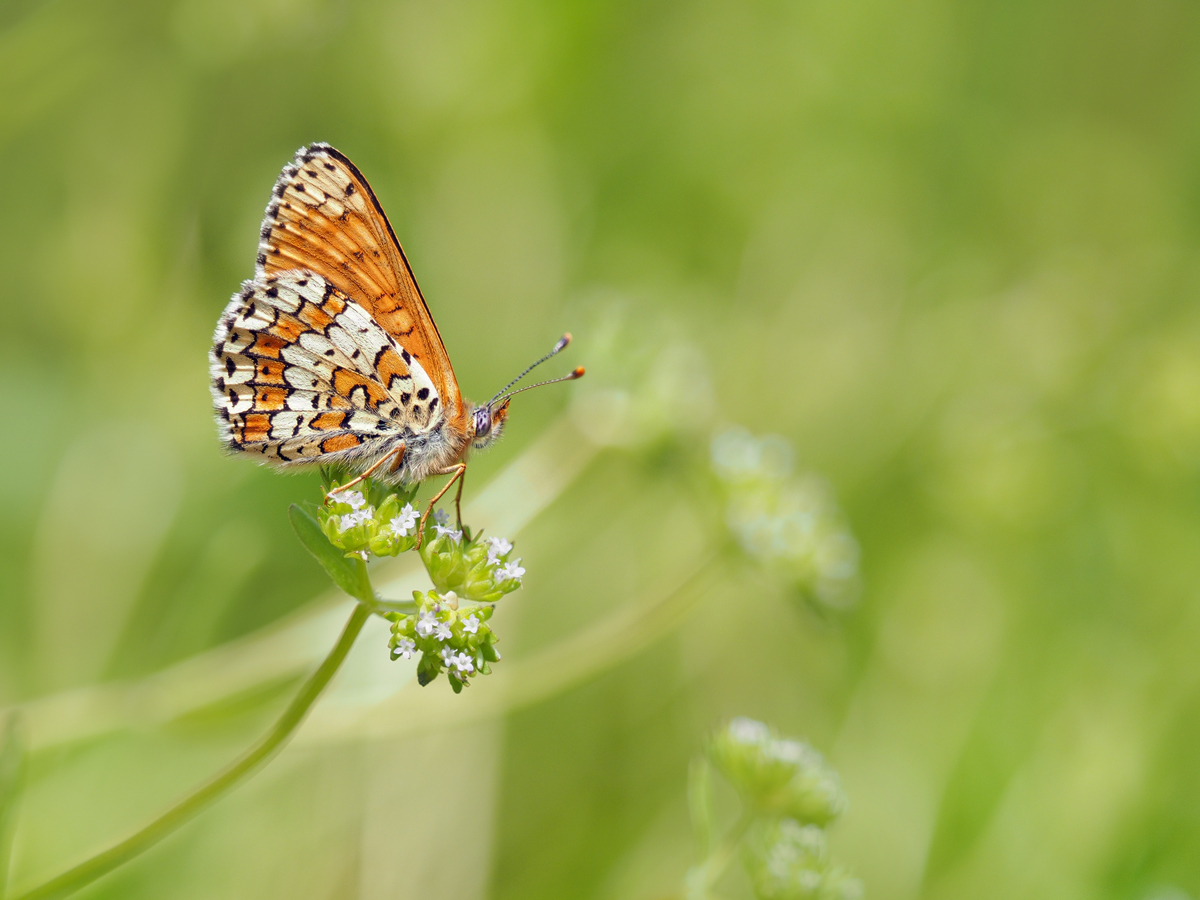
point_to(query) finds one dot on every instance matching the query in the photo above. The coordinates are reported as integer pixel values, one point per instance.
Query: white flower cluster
(505, 571)
(459, 661)
(784, 775)
(789, 522)
(360, 512)
(757, 734)
(353, 499)
(445, 638)
(443, 529)
(354, 524)
(406, 523)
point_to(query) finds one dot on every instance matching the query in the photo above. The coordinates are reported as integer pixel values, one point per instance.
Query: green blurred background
(946, 248)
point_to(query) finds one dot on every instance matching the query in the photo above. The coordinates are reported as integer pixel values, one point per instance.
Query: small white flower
(448, 656)
(471, 624)
(353, 499)
(510, 571)
(405, 522)
(464, 663)
(497, 547)
(358, 517)
(441, 517)
(427, 623)
(405, 647)
(749, 731)
(443, 632)
(442, 530)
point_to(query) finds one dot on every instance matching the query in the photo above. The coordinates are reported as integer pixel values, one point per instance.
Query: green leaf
(12, 770)
(348, 574)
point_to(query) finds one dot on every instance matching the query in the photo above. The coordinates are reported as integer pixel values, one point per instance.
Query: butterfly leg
(396, 455)
(462, 480)
(457, 470)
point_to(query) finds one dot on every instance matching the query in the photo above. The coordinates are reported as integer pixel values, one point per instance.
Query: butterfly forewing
(324, 218)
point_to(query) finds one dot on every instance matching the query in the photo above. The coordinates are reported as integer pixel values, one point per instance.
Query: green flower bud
(777, 776)
(789, 861)
(446, 638)
(478, 570)
(396, 528)
(354, 524)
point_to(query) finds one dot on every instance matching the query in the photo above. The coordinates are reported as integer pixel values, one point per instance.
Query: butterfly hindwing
(300, 371)
(324, 218)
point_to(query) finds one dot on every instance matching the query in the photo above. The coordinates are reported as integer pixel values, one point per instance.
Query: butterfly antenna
(577, 373)
(558, 348)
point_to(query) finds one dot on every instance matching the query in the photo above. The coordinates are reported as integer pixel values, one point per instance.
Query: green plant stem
(700, 879)
(103, 863)
(407, 607)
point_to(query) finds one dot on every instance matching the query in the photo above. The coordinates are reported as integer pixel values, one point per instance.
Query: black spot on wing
(422, 393)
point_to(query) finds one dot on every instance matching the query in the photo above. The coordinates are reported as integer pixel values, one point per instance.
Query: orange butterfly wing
(324, 217)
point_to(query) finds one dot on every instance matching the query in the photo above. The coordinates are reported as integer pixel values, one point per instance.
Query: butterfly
(330, 354)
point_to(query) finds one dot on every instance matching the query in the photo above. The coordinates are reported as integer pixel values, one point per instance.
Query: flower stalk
(86, 872)
(342, 536)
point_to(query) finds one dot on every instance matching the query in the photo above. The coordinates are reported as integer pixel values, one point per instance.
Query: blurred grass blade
(12, 771)
(700, 803)
(348, 574)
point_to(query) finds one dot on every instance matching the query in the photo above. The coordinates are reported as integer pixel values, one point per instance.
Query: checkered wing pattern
(300, 372)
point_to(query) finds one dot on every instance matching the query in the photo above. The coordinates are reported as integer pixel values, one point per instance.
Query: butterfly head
(488, 419)
(489, 423)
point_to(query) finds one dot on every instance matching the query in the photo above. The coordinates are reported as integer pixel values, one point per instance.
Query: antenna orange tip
(578, 373)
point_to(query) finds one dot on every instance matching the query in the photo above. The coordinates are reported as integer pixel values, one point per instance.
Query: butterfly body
(329, 354)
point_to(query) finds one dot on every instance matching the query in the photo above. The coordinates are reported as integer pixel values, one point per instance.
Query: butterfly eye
(483, 422)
